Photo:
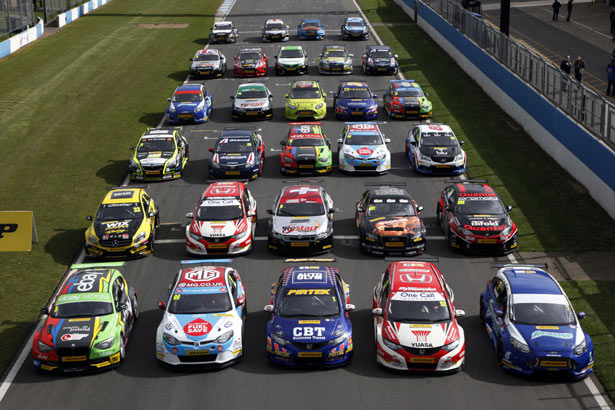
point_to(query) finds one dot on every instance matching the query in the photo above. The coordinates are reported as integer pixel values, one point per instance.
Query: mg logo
(414, 278)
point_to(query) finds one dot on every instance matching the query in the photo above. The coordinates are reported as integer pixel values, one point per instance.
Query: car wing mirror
(268, 308)
(360, 209)
(44, 311)
(269, 211)
(461, 142)
(189, 215)
(349, 307)
(89, 218)
(509, 208)
(419, 208)
(374, 96)
(459, 313)
(168, 99)
(210, 149)
(387, 140)
(282, 142)
(331, 210)
(162, 305)
(377, 311)
(132, 148)
(339, 141)
(581, 315)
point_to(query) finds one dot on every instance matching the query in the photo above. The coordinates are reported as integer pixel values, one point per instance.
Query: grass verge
(71, 106)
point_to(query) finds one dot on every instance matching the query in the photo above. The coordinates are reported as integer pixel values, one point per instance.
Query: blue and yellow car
(305, 100)
(354, 100)
(125, 224)
(160, 154)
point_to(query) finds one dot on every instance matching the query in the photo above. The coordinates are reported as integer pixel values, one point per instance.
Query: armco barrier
(14, 43)
(586, 158)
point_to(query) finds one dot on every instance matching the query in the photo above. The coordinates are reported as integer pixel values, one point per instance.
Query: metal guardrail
(15, 15)
(587, 107)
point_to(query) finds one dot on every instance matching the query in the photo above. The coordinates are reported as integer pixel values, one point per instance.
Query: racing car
(335, 60)
(311, 29)
(415, 321)
(532, 325)
(125, 224)
(204, 317)
(354, 99)
(406, 99)
(474, 219)
(302, 220)
(88, 323)
(223, 222)
(306, 150)
(305, 100)
(252, 101)
(207, 63)
(354, 28)
(379, 59)
(190, 102)
(388, 222)
(362, 148)
(250, 62)
(290, 60)
(310, 320)
(223, 32)
(161, 153)
(275, 30)
(238, 153)
(434, 149)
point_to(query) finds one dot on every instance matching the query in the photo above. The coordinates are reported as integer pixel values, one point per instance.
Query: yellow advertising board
(17, 231)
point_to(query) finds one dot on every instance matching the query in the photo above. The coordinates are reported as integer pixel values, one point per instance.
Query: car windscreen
(358, 93)
(304, 142)
(188, 97)
(249, 56)
(440, 139)
(113, 212)
(304, 93)
(336, 53)
(82, 309)
(186, 303)
(223, 27)
(243, 94)
(355, 24)
(482, 205)
(390, 207)
(206, 57)
(542, 314)
(234, 146)
(309, 303)
(364, 139)
(275, 26)
(301, 209)
(156, 144)
(219, 210)
(408, 93)
(310, 24)
(381, 54)
(418, 311)
(291, 54)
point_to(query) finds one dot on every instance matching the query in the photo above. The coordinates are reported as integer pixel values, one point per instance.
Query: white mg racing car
(208, 62)
(275, 30)
(302, 221)
(252, 101)
(362, 148)
(203, 320)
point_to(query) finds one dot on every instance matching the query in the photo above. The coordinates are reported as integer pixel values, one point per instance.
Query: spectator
(566, 66)
(569, 7)
(610, 77)
(579, 67)
(556, 6)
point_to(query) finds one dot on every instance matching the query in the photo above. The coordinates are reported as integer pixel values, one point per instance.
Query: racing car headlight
(323, 235)
(194, 236)
(519, 345)
(289, 159)
(140, 237)
(277, 235)
(44, 348)
(324, 158)
(241, 234)
(458, 157)
(170, 339)
(319, 106)
(424, 157)
(277, 337)
(224, 337)
(324, 63)
(291, 107)
(172, 163)
(451, 346)
(171, 107)
(371, 236)
(134, 164)
(201, 106)
(581, 347)
(426, 105)
(346, 30)
(349, 157)
(391, 345)
(506, 231)
(105, 344)
(92, 239)
(466, 231)
(382, 156)
(339, 339)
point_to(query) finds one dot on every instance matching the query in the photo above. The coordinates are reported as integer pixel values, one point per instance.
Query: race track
(253, 383)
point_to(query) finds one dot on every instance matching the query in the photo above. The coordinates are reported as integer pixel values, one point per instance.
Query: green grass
(71, 106)
(552, 210)
(596, 299)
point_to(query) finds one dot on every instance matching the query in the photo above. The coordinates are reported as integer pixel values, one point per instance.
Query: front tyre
(122, 348)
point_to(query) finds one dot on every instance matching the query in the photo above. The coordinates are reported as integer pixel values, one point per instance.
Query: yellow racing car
(306, 100)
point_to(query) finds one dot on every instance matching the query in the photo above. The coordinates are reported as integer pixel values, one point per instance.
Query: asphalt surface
(253, 383)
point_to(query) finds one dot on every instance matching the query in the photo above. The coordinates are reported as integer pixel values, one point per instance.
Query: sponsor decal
(122, 194)
(547, 327)
(417, 296)
(86, 282)
(300, 292)
(414, 278)
(365, 151)
(422, 360)
(228, 324)
(116, 224)
(421, 326)
(421, 335)
(309, 322)
(201, 275)
(308, 332)
(309, 354)
(300, 228)
(539, 333)
(197, 327)
(309, 277)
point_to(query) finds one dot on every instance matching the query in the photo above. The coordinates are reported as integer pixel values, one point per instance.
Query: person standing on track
(579, 67)
(569, 8)
(556, 6)
(610, 77)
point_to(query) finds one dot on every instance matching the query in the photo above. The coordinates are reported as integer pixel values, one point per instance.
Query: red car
(250, 62)
(474, 218)
(223, 222)
(415, 323)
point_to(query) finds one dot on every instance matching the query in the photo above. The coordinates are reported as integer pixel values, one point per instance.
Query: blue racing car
(311, 29)
(310, 321)
(354, 100)
(238, 153)
(190, 102)
(354, 28)
(532, 324)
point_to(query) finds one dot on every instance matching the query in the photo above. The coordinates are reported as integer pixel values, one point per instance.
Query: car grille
(232, 167)
(152, 167)
(309, 360)
(302, 238)
(422, 351)
(217, 239)
(443, 160)
(73, 351)
(422, 366)
(198, 359)
(116, 243)
(549, 362)
(205, 69)
(314, 346)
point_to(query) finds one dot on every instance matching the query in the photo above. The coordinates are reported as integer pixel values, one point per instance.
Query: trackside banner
(17, 231)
